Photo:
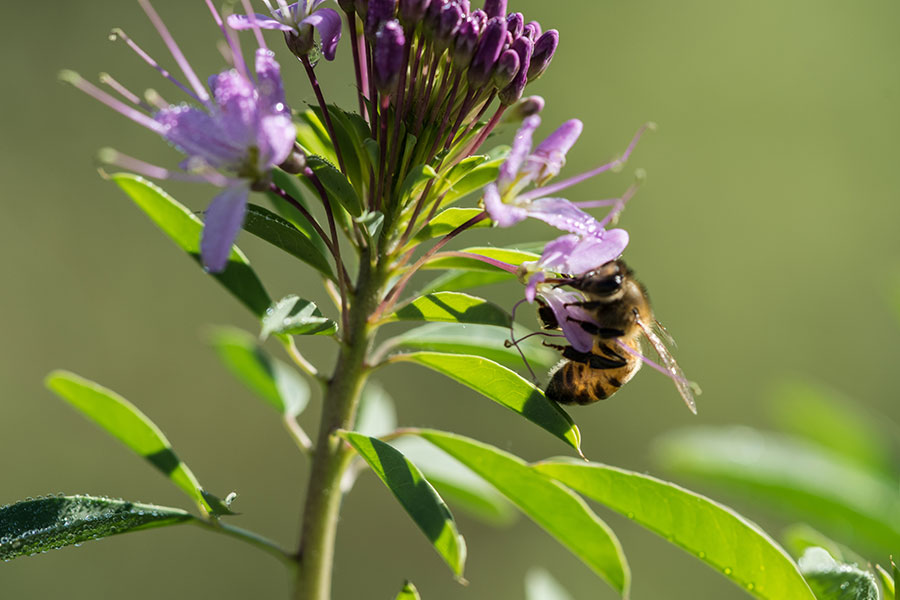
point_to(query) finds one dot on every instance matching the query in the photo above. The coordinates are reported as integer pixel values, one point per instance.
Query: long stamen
(113, 157)
(118, 34)
(232, 40)
(182, 62)
(107, 79)
(556, 187)
(114, 103)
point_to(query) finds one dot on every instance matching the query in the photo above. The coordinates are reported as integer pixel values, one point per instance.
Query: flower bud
(487, 52)
(448, 24)
(524, 108)
(412, 11)
(348, 6)
(380, 11)
(480, 18)
(507, 68)
(433, 14)
(511, 93)
(515, 22)
(388, 56)
(362, 8)
(495, 8)
(464, 45)
(532, 30)
(465, 6)
(544, 48)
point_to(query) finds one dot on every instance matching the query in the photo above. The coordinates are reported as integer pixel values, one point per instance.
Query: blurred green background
(766, 233)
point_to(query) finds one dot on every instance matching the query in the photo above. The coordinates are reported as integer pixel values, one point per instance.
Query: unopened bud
(380, 11)
(433, 15)
(465, 6)
(300, 45)
(511, 93)
(532, 30)
(544, 48)
(507, 68)
(388, 56)
(412, 12)
(294, 164)
(495, 8)
(524, 108)
(480, 18)
(464, 45)
(448, 24)
(487, 52)
(515, 22)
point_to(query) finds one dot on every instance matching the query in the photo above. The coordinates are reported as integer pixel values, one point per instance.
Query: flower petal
(521, 146)
(550, 156)
(504, 215)
(242, 23)
(568, 317)
(194, 132)
(328, 23)
(276, 132)
(224, 218)
(592, 252)
(238, 115)
(564, 215)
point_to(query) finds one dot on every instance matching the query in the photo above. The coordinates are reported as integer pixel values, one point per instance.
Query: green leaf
(282, 234)
(409, 592)
(513, 257)
(800, 536)
(270, 379)
(504, 387)
(481, 340)
(33, 526)
(541, 585)
(376, 415)
(292, 185)
(456, 483)
(792, 476)
(472, 181)
(457, 280)
(831, 580)
(446, 221)
(888, 583)
(710, 531)
(348, 142)
(415, 182)
(293, 315)
(124, 421)
(452, 307)
(416, 495)
(554, 507)
(340, 192)
(313, 136)
(184, 228)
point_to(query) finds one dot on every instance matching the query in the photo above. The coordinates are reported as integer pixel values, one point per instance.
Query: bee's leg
(595, 361)
(594, 329)
(554, 346)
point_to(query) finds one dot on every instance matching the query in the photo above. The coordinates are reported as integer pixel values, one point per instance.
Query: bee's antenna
(512, 341)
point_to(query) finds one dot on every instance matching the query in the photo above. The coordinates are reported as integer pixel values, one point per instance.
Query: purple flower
(241, 126)
(298, 21)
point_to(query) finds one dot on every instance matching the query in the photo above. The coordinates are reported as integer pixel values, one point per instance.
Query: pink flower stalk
(239, 129)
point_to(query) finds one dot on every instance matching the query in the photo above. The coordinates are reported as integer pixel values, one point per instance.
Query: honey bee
(620, 314)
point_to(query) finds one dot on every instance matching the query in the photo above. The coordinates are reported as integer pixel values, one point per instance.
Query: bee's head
(603, 282)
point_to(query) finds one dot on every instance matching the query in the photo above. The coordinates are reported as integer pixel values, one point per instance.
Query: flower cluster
(428, 73)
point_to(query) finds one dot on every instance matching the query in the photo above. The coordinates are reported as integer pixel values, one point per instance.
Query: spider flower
(238, 130)
(297, 21)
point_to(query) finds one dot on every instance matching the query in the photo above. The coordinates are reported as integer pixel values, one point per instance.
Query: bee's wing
(685, 388)
(662, 332)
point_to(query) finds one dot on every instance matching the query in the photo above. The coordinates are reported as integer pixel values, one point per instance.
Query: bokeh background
(767, 233)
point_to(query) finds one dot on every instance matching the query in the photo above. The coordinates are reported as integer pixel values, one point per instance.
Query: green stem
(264, 544)
(331, 454)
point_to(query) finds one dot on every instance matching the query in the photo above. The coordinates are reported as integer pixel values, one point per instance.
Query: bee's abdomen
(579, 383)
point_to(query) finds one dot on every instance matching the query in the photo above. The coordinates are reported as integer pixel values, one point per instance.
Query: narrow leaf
(279, 232)
(504, 387)
(472, 181)
(794, 476)
(452, 307)
(33, 526)
(554, 507)
(121, 419)
(293, 315)
(481, 340)
(457, 483)
(409, 592)
(541, 585)
(832, 580)
(888, 585)
(184, 228)
(459, 279)
(270, 379)
(376, 416)
(415, 182)
(800, 536)
(340, 192)
(446, 221)
(416, 495)
(507, 255)
(710, 531)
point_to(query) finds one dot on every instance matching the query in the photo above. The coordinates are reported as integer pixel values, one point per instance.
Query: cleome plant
(366, 199)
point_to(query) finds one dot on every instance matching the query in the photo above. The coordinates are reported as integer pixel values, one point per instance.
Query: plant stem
(323, 498)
